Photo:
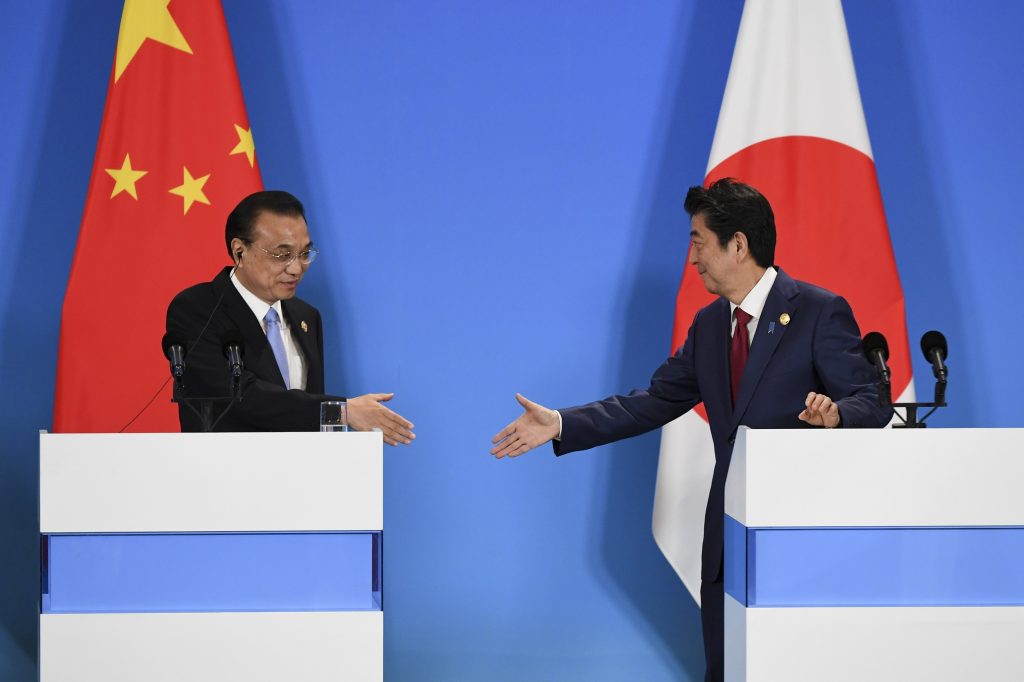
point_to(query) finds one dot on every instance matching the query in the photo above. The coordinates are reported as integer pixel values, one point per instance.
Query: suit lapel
(259, 357)
(770, 330)
(304, 333)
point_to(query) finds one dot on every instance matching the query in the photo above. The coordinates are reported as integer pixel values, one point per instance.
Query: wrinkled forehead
(277, 230)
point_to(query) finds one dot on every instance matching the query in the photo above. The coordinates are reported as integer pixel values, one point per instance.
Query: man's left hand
(819, 410)
(366, 413)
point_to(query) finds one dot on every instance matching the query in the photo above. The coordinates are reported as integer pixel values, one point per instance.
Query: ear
(237, 248)
(740, 244)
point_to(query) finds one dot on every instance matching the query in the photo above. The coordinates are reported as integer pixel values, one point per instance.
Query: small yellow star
(142, 19)
(245, 144)
(125, 178)
(191, 189)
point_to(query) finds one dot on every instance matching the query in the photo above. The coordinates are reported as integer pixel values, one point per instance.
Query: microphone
(233, 349)
(933, 345)
(174, 351)
(876, 348)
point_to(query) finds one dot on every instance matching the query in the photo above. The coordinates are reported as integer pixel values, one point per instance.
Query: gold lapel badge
(784, 319)
(305, 327)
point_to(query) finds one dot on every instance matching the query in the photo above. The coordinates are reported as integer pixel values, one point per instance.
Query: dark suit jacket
(819, 350)
(266, 404)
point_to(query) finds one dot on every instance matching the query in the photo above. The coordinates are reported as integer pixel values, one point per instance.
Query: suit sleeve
(264, 406)
(673, 391)
(846, 374)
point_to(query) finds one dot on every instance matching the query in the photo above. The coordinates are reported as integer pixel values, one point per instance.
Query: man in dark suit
(770, 353)
(254, 302)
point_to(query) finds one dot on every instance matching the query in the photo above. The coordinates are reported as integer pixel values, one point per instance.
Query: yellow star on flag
(245, 144)
(191, 189)
(142, 19)
(125, 178)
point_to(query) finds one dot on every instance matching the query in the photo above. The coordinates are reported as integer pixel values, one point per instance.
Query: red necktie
(738, 351)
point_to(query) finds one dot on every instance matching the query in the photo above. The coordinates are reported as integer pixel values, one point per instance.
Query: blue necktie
(277, 344)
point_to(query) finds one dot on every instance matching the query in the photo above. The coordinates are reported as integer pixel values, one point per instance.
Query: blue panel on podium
(212, 572)
(736, 561)
(966, 566)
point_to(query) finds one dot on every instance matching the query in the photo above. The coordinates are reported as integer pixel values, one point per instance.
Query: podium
(211, 556)
(875, 555)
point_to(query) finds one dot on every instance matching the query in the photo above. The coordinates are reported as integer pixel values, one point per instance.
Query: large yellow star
(143, 19)
(245, 144)
(125, 178)
(191, 189)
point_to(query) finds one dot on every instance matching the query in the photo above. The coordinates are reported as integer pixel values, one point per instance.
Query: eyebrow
(286, 245)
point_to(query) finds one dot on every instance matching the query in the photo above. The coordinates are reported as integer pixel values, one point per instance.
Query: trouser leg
(713, 624)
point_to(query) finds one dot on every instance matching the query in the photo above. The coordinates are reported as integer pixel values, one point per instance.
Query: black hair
(243, 218)
(730, 206)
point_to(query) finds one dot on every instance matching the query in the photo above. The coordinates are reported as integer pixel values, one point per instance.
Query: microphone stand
(205, 404)
(912, 421)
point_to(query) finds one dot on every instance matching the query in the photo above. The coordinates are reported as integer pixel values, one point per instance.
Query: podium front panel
(251, 556)
(874, 555)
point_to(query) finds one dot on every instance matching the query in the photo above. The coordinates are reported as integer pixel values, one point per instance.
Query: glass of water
(333, 416)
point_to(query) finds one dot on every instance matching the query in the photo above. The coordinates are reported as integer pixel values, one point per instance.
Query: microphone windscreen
(171, 339)
(232, 338)
(875, 341)
(933, 340)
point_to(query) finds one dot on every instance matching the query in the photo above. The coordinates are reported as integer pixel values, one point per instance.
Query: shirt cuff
(559, 436)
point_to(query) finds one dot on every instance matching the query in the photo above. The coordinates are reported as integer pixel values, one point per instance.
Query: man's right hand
(366, 413)
(535, 426)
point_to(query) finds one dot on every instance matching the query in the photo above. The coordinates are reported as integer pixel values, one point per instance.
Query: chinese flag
(791, 125)
(175, 155)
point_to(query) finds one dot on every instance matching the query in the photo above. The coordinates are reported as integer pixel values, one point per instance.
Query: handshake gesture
(535, 426)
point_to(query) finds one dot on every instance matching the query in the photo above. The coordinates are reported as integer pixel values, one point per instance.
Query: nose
(295, 267)
(692, 255)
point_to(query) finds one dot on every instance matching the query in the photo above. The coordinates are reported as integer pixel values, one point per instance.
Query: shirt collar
(753, 302)
(258, 306)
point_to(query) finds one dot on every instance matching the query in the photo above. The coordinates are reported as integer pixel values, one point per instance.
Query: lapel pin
(305, 327)
(771, 327)
(784, 319)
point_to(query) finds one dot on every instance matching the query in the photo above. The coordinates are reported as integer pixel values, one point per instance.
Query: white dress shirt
(753, 303)
(259, 307)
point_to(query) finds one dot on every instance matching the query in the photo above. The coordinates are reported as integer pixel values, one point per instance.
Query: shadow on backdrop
(913, 182)
(40, 235)
(693, 96)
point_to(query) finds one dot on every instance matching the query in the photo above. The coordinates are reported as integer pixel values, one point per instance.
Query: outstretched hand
(819, 410)
(535, 426)
(366, 413)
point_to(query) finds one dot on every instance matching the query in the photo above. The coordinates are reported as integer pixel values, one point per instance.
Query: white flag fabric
(791, 125)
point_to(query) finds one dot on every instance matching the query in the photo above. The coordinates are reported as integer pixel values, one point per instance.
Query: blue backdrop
(497, 191)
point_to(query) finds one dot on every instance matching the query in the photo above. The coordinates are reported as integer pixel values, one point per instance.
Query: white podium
(232, 556)
(875, 555)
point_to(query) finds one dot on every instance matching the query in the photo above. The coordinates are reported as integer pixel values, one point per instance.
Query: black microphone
(174, 351)
(233, 348)
(876, 348)
(933, 345)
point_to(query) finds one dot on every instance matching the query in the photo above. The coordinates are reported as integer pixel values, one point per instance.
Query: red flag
(792, 126)
(175, 155)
